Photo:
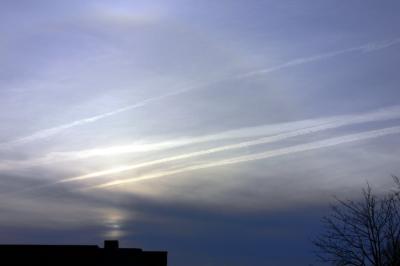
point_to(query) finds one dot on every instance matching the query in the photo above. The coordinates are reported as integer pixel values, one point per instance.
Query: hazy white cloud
(264, 155)
(275, 133)
(366, 48)
(49, 132)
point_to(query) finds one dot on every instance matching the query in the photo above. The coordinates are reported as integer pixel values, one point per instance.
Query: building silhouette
(80, 255)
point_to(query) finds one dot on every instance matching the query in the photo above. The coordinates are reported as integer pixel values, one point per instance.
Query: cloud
(46, 133)
(264, 155)
(42, 134)
(369, 47)
(274, 132)
(314, 126)
(380, 45)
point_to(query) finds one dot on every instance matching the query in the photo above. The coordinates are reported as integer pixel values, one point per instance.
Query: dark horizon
(89, 255)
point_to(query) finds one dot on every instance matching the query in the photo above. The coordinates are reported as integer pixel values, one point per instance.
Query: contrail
(55, 130)
(382, 114)
(264, 155)
(369, 47)
(334, 122)
(273, 132)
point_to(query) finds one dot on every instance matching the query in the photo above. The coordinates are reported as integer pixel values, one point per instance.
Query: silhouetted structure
(73, 255)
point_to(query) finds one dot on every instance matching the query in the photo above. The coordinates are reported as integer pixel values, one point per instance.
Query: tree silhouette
(362, 233)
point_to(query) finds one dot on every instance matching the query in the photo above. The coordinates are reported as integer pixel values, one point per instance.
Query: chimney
(111, 244)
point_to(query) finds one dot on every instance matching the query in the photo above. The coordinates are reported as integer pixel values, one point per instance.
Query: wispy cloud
(369, 47)
(264, 155)
(272, 133)
(42, 134)
(49, 132)
(320, 125)
(275, 132)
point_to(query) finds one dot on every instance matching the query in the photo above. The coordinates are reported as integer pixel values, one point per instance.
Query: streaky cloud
(369, 47)
(42, 134)
(329, 123)
(264, 155)
(45, 133)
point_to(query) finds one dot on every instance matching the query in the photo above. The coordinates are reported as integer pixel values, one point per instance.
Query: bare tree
(362, 233)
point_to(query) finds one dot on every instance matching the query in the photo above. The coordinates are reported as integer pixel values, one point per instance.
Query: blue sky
(216, 130)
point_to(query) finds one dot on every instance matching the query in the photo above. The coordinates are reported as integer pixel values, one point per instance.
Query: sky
(219, 131)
